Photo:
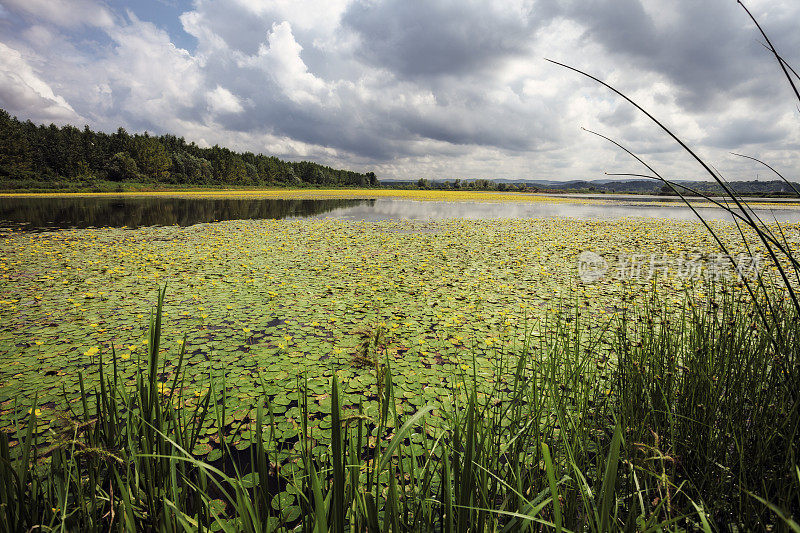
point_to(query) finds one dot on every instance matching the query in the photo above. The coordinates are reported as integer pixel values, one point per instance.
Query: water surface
(383, 209)
(30, 213)
(37, 214)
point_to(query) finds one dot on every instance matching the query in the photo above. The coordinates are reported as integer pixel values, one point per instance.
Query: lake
(54, 212)
(268, 291)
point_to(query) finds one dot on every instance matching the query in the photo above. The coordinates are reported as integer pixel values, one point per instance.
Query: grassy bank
(44, 187)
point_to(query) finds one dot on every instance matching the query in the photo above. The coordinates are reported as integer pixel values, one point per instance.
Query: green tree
(15, 160)
(122, 166)
(54, 154)
(152, 158)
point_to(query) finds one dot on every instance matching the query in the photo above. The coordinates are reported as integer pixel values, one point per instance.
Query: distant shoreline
(442, 195)
(384, 189)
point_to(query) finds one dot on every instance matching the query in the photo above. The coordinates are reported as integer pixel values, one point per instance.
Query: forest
(50, 157)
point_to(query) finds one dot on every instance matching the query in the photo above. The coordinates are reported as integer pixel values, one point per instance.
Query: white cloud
(409, 88)
(40, 36)
(66, 13)
(318, 16)
(280, 58)
(23, 90)
(150, 78)
(221, 100)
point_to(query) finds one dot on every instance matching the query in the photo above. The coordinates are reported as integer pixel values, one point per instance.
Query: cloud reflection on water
(383, 209)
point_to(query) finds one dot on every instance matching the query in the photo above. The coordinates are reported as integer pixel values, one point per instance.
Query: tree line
(35, 154)
(468, 185)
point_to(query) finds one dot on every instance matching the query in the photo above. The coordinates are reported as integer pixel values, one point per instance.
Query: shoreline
(405, 194)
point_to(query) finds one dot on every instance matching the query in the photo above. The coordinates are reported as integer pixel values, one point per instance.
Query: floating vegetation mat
(260, 304)
(408, 194)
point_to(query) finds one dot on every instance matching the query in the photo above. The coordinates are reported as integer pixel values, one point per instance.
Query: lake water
(36, 214)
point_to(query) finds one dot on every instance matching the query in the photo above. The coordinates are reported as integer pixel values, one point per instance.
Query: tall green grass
(730, 424)
(688, 428)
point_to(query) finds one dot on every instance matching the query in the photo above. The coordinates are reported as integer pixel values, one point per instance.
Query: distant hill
(603, 186)
(760, 188)
(49, 157)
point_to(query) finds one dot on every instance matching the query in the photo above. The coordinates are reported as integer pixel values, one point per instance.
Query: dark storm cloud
(746, 132)
(707, 49)
(434, 37)
(622, 115)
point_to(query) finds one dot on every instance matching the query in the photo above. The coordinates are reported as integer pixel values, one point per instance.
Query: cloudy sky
(416, 88)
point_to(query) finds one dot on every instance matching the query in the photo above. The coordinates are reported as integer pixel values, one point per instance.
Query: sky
(438, 89)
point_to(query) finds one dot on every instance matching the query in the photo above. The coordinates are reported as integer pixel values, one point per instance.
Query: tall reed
(688, 428)
(731, 422)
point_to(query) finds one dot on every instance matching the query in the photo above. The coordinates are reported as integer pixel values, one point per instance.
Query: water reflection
(384, 209)
(82, 212)
(49, 213)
